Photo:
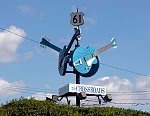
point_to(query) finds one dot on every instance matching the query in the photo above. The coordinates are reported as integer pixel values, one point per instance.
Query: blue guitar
(85, 60)
(63, 53)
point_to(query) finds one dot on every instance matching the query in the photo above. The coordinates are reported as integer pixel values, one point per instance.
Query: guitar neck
(47, 43)
(77, 33)
(102, 49)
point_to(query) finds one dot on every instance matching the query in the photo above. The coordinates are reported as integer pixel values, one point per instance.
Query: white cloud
(90, 20)
(143, 82)
(10, 89)
(28, 55)
(126, 88)
(55, 52)
(41, 96)
(27, 9)
(9, 43)
(24, 8)
(83, 8)
(64, 40)
(113, 83)
(31, 11)
(67, 37)
(74, 8)
(47, 86)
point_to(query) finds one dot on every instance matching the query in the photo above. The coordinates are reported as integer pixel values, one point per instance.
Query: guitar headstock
(114, 43)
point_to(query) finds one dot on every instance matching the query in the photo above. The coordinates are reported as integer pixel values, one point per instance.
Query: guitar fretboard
(102, 49)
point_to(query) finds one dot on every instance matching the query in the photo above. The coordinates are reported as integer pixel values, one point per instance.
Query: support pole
(77, 82)
(77, 79)
(77, 74)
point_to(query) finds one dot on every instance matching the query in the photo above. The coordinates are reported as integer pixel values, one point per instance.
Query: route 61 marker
(77, 18)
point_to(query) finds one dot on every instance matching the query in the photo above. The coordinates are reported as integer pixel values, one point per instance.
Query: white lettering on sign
(87, 89)
(78, 88)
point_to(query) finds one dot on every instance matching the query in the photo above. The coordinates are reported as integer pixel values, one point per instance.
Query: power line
(133, 99)
(19, 35)
(131, 94)
(21, 89)
(120, 92)
(27, 87)
(100, 63)
(24, 89)
(134, 103)
(125, 70)
(116, 103)
(118, 99)
(28, 90)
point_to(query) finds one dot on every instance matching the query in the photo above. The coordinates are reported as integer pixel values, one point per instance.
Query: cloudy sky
(27, 70)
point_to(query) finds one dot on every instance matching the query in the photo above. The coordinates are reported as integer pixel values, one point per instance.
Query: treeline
(32, 107)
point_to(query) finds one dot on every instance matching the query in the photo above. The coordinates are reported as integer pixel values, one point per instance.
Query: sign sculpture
(84, 61)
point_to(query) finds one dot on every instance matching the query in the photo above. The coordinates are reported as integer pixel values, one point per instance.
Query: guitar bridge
(89, 62)
(78, 62)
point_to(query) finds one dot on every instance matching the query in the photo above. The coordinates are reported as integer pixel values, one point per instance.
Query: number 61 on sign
(77, 18)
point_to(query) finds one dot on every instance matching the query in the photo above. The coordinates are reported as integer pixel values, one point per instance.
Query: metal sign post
(77, 82)
(77, 20)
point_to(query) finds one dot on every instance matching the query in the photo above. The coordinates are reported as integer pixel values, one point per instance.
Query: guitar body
(63, 60)
(93, 69)
(83, 61)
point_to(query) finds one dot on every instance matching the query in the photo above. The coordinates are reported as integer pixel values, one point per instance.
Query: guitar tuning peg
(79, 37)
(114, 43)
(112, 39)
(76, 28)
(87, 47)
(47, 38)
(42, 46)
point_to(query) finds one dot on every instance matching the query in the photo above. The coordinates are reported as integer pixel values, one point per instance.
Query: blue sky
(25, 63)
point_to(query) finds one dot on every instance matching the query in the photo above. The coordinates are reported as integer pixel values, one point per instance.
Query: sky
(28, 70)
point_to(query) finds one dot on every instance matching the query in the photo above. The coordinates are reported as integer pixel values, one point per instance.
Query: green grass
(32, 107)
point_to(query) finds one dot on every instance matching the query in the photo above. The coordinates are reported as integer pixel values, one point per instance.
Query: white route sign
(77, 18)
(78, 88)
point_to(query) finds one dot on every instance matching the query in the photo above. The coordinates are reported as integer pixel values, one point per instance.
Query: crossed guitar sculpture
(83, 60)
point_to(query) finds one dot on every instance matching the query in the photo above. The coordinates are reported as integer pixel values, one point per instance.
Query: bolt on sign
(77, 18)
